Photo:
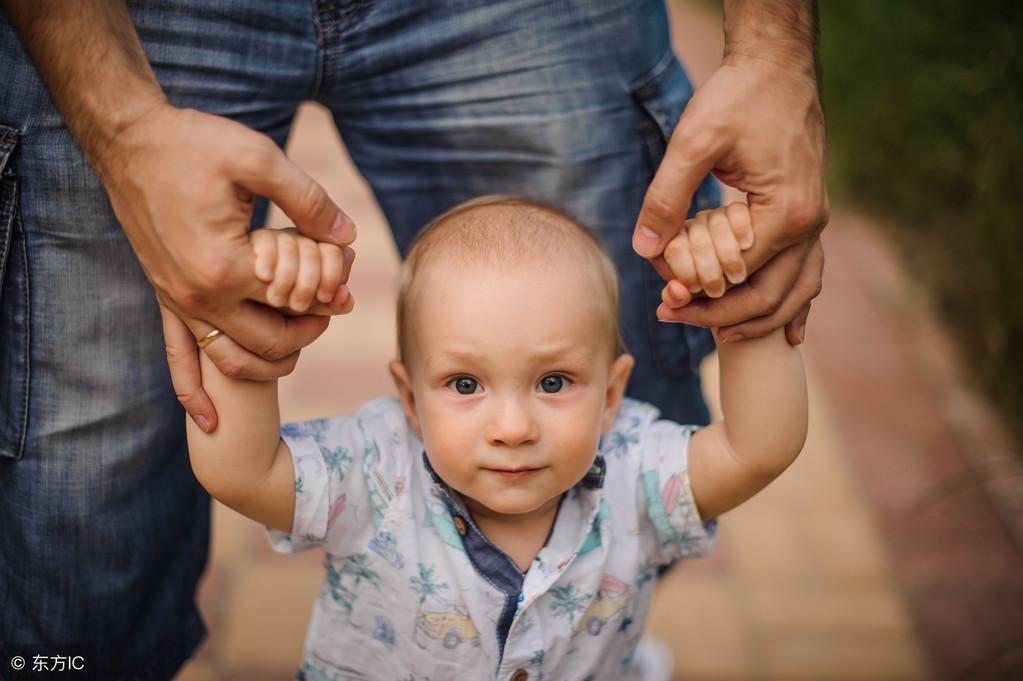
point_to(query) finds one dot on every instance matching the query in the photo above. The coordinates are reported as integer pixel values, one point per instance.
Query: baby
(505, 517)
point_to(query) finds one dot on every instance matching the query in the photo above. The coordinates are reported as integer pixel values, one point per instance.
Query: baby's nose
(512, 425)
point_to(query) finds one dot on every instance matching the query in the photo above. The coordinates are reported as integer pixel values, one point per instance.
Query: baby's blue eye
(553, 383)
(466, 385)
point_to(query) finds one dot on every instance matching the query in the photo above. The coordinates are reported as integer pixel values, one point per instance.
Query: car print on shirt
(612, 597)
(449, 627)
(386, 546)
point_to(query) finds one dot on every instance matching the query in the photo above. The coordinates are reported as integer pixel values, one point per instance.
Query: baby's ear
(408, 400)
(617, 379)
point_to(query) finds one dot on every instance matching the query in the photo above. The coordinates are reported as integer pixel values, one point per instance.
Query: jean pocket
(662, 94)
(14, 307)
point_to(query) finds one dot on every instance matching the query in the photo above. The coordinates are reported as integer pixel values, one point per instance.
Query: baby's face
(511, 379)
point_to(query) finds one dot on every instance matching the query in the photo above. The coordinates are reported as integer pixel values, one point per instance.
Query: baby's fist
(707, 252)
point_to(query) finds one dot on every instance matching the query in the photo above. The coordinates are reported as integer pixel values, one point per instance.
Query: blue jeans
(103, 530)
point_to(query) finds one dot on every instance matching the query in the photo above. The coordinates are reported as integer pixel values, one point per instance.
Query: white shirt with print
(402, 599)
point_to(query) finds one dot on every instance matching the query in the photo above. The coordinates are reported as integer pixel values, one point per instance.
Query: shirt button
(520, 675)
(462, 529)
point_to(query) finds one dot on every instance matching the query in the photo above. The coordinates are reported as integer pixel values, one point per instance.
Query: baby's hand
(706, 252)
(296, 268)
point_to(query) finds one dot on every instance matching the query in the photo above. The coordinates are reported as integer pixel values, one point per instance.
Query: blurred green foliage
(924, 107)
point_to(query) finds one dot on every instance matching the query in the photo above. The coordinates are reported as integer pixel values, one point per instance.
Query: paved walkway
(810, 580)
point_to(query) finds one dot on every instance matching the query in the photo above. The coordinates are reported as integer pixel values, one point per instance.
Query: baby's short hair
(505, 229)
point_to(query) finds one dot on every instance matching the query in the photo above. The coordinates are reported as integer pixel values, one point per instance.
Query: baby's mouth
(514, 473)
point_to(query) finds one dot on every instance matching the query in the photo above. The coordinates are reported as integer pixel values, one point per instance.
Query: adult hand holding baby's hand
(301, 275)
(757, 125)
(183, 185)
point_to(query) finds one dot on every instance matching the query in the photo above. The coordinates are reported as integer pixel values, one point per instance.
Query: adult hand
(757, 125)
(183, 183)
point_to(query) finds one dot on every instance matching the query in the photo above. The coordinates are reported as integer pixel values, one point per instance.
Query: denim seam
(27, 353)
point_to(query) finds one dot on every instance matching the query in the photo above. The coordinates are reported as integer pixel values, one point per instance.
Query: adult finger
(691, 153)
(235, 361)
(795, 331)
(762, 295)
(793, 310)
(186, 376)
(268, 333)
(264, 170)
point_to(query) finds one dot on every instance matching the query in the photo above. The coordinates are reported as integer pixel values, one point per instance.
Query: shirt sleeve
(346, 471)
(667, 508)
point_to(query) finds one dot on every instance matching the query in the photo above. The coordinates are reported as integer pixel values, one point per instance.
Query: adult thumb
(687, 160)
(271, 174)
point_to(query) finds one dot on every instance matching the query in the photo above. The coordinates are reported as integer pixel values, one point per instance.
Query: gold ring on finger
(209, 338)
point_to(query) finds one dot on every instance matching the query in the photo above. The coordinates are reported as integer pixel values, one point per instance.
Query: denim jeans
(103, 530)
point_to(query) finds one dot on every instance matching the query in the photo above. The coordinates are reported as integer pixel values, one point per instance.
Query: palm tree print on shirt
(424, 585)
(338, 460)
(356, 570)
(568, 602)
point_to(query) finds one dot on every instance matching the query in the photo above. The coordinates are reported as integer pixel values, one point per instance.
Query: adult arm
(182, 184)
(757, 125)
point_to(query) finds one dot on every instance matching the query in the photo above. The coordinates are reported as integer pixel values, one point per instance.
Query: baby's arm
(244, 463)
(763, 387)
(763, 398)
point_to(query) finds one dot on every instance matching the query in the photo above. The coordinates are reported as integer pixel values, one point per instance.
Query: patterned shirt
(415, 592)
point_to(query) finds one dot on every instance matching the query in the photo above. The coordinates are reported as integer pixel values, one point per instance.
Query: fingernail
(647, 242)
(265, 273)
(735, 277)
(695, 288)
(202, 422)
(732, 338)
(747, 241)
(343, 229)
(802, 332)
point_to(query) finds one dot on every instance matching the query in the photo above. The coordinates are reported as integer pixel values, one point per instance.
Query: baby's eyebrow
(559, 352)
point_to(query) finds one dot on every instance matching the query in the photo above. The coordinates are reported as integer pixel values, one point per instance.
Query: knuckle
(257, 156)
(276, 350)
(660, 206)
(316, 201)
(287, 365)
(190, 299)
(805, 215)
(694, 146)
(816, 289)
(176, 355)
(212, 274)
(231, 366)
(772, 304)
(675, 249)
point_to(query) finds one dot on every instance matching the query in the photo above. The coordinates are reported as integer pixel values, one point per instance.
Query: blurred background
(891, 550)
